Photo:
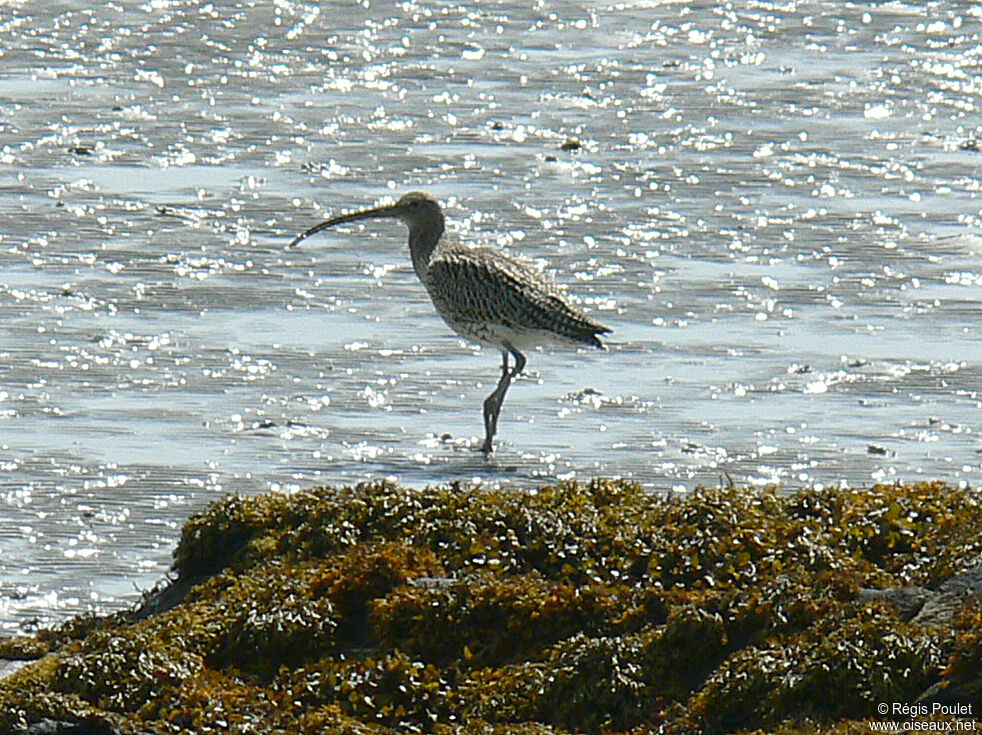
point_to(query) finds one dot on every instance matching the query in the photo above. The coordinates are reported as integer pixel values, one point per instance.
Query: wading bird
(484, 295)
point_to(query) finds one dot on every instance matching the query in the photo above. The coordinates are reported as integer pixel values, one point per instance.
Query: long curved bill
(388, 210)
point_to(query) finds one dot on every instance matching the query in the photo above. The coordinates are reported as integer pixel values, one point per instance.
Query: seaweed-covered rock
(594, 684)
(393, 690)
(524, 613)
(839, 669)
(274, 620)
(595, 607)
(962, 682)
(125, 671)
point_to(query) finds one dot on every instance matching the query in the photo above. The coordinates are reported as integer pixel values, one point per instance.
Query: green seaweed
(526, 612)
(595, 607)
(839, 669)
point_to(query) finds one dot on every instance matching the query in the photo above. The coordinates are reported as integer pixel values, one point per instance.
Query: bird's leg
(519, 361)
(492, 405)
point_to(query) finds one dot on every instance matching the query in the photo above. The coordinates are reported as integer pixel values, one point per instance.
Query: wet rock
(90, 726)
(163, 597)
(940, 608)
(907, 600)
(8, 667)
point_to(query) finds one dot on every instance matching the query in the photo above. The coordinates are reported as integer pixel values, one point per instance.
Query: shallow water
(775, 207)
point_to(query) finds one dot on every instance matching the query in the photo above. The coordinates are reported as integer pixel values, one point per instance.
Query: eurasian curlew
(483, 294)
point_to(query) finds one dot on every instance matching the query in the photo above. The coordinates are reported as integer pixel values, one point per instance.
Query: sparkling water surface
(775, 206)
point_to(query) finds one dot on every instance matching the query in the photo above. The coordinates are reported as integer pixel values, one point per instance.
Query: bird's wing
(485, 286)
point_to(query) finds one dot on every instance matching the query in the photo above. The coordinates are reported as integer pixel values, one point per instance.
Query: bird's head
(418, 210)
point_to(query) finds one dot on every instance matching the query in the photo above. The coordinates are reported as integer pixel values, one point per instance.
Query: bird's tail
(591, 337)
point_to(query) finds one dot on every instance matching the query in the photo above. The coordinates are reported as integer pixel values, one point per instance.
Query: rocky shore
(594, 608)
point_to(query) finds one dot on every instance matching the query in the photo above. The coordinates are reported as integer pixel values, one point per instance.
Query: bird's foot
(487, 447)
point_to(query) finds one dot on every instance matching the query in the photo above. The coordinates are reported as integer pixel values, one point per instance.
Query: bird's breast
(497, 335)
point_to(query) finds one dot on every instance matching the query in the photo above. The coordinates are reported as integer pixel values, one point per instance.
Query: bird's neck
(422, 242)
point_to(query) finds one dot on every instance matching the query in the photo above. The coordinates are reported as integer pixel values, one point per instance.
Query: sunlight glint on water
(776, 210)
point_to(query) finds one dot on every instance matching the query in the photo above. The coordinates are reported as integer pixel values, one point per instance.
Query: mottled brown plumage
(483, 294)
